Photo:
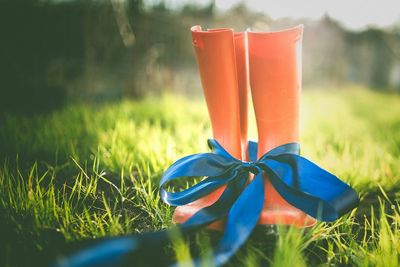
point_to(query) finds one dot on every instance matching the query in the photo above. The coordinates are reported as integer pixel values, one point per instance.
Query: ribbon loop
(310, 188)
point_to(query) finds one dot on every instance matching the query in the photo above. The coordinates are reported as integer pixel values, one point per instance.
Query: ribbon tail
(242, 219)
(118, 251)
(108, 253)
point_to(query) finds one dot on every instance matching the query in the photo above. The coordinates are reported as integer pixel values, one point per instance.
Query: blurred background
(54, 52)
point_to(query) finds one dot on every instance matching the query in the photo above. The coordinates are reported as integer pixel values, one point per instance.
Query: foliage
(56, 51)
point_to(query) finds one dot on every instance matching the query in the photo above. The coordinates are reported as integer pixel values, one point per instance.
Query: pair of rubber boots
(270, 64)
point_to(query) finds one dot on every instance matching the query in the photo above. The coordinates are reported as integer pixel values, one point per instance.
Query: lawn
(90, 171)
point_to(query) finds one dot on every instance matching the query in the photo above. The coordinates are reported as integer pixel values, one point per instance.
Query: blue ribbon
(300, 182)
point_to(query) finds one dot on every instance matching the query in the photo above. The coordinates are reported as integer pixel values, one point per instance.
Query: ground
(89, 171)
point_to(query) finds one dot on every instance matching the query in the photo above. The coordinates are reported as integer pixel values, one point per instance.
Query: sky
(353, 14)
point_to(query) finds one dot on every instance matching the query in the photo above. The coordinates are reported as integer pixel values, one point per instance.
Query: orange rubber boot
(215, 53)
(275, 80)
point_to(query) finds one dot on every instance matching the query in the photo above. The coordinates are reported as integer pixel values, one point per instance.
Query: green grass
(89, 171)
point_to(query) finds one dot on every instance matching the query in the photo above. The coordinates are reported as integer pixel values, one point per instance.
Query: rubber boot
(275, 81)
(216, 60)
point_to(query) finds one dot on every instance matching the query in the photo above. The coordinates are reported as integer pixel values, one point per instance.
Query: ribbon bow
(300, 182)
